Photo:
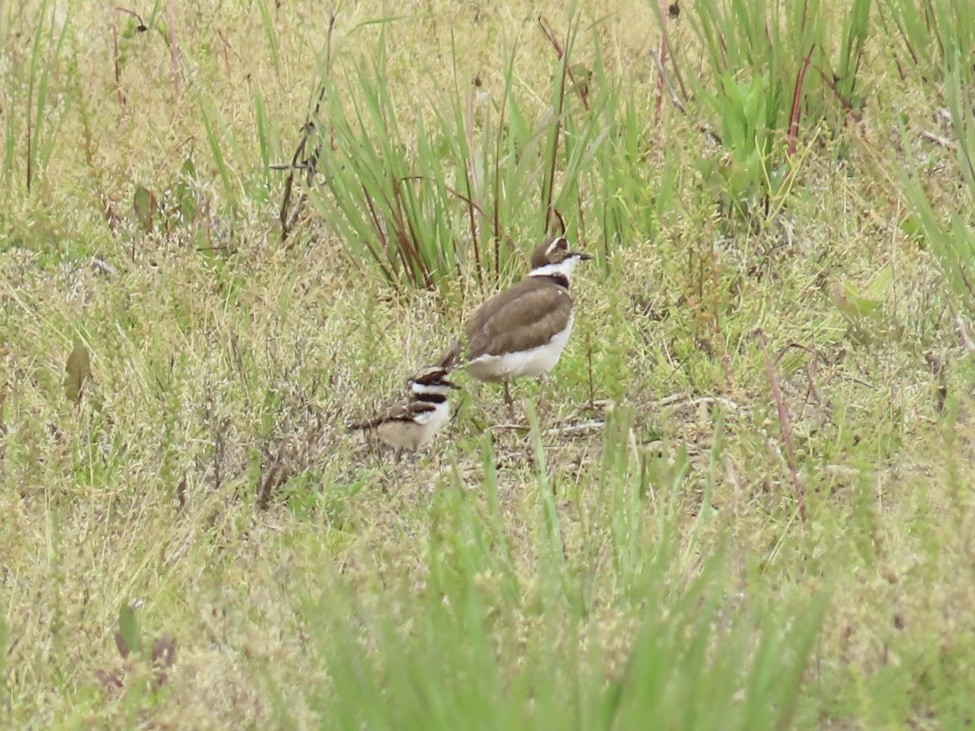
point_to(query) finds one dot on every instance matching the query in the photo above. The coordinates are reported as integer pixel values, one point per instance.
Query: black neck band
(430, 398)
(559, 279)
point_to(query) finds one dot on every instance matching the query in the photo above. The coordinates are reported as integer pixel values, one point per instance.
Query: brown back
(523, 317)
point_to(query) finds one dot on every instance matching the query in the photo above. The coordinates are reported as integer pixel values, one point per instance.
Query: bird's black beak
(449, 384)
(582, 257)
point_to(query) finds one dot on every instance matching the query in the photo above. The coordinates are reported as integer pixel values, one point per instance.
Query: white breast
(435, 419)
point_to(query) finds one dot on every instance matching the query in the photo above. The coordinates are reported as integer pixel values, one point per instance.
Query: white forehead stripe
(555, 244)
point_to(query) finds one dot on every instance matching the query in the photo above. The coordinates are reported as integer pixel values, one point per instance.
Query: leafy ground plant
(769, 78)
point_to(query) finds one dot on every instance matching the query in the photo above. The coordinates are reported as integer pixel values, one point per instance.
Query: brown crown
(552, 251)
(432, 376)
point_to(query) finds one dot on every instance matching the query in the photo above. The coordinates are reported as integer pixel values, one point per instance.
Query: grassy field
(743, 499)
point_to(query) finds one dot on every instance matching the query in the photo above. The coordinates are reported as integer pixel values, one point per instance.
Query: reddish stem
(796, 103)
(785, 427)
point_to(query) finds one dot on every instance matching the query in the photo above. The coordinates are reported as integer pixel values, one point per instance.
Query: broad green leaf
(129, 629)
(144, 205)
(78, 370)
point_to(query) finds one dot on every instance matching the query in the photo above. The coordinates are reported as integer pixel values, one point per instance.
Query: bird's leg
(542, 404)
(383, 456)
(508, 400)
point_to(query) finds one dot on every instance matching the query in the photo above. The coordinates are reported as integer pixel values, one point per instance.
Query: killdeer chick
(522, 331)
(412, 423)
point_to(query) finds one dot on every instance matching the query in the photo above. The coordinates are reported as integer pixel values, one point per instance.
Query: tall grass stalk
(459, 652)
(462, 652)
(853, 39)
(629, 192)
(30, 115)
(426, 194)
(926, 34)
(951, 234)
(270, 35)
(216, 141)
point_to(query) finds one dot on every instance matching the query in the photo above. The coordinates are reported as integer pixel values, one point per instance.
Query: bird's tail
(451, 359)
(362, 425)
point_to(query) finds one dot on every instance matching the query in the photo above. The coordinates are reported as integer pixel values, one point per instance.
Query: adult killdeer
(522, 331)
(412, 423)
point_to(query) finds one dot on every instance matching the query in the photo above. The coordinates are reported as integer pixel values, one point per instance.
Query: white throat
(563, 268)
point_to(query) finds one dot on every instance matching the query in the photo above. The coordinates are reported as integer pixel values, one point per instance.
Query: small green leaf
(185, 194)
(129, 629)
(913, 228)
(78, 371)
(581, 76)
(865, 303)
(186, 200)
(852, 303)
(144, 205)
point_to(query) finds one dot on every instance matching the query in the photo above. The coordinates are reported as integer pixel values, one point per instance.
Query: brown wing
(403, 411)
(522, 317)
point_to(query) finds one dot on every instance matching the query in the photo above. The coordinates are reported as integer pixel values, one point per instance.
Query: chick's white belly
(404, 434)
